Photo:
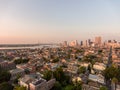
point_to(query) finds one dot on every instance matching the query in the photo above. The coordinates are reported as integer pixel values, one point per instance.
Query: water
(32, 47)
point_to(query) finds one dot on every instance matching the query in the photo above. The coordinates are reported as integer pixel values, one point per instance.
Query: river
(31, 47)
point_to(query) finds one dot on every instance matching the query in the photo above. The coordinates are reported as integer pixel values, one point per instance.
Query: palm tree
(114, 81)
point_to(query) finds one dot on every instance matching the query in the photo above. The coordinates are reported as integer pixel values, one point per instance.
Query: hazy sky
(31, 21)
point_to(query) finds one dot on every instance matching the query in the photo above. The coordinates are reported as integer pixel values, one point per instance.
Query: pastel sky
(32, 21)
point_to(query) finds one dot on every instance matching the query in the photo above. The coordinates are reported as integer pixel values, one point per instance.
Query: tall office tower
(81, 43)
(98, 41)
(65, 44)
(89, 42)
(74, 43)
(85, 43)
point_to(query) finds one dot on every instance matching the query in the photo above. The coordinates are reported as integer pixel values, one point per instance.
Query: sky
(43, 21)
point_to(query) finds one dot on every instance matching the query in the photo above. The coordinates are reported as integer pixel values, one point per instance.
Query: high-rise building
(98, 41)
(89, 42)
(65, 44)
(81, 43)
(74, 43)
(85, 43)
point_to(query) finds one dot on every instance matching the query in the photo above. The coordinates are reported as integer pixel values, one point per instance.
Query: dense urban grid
(84, 65)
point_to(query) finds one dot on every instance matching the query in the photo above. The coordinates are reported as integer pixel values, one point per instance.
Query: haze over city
(28, 21)
(59, 44)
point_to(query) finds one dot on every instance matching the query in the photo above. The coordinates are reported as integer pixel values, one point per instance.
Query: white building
(99, 66)
(84, 64)
(97, 78)
(74, 43)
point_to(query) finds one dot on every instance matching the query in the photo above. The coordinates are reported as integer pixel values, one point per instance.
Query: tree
(111, 72)
(100, 51)
(78, 86)
(118, 76)
(19, 88)
(0, 69)
(92, 62)
(79, 51)
(55, 60)
(6, 86)
(68, 56)
(82, 70)
(103, 88)
(69, 87)
(89, 58)
(59, 74)
(4, 76)
(19, 61)
(47, 75)
(89, 68)
(114, 81)
(57, 86)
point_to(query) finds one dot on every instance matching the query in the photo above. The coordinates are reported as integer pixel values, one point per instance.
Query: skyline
(28, 21)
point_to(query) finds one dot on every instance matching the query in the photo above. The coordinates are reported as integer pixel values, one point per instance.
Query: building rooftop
(30, 78)
(96, 78)
(16, 70)
(38, 81)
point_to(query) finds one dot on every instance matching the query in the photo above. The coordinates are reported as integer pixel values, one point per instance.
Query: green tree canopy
(59, 74)
(19, 88)
(69, 87)
(78, 86)
(6, 86)
(114, 80)
(111, 72)
(100, 51)
(90, 58)
(103, 88)
(4, 76)
(55, 60)
(47, 75)
(19, 61)
(82, 69)
(89, 68)
(57, 86)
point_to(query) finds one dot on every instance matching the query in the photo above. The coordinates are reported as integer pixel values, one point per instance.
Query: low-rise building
(91, 86)
(35, 82)
(97, 78)
(72, 68)
(99, 66)
(7, 65)
(16, 73)
(38, 84)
